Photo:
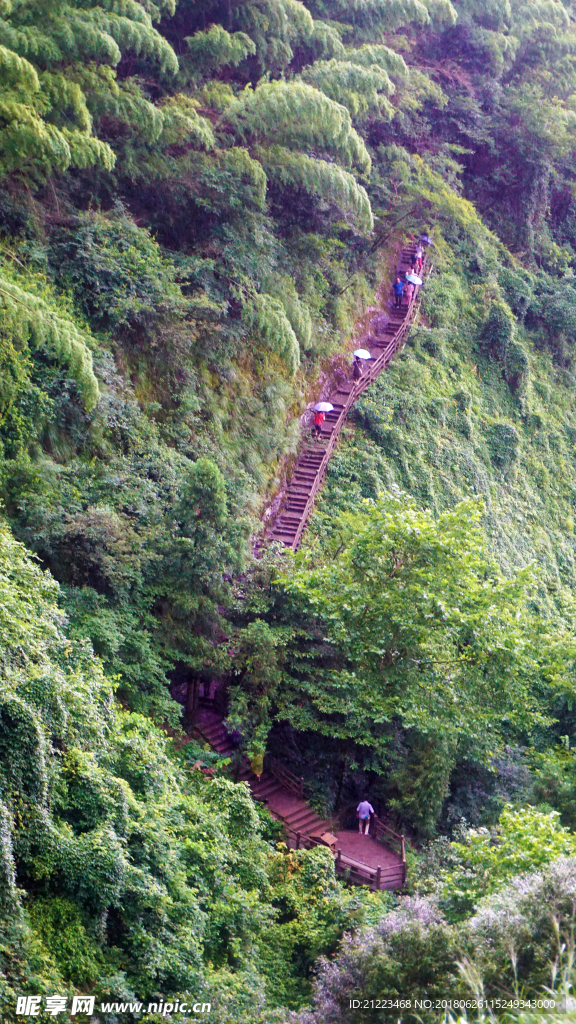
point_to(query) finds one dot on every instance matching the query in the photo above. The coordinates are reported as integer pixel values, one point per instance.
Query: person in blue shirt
(398, 289)
(363, 812)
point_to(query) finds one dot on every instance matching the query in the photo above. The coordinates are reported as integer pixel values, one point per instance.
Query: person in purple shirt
(363, 812)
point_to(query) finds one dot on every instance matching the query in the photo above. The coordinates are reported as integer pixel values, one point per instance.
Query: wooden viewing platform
(385, 340)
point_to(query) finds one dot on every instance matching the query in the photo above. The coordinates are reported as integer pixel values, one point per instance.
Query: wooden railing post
(298, 834)
(338, 859)
(378, 877)
(402, 849)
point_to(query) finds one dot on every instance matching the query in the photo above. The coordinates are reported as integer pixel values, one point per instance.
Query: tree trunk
(344, 765)
(191, 706)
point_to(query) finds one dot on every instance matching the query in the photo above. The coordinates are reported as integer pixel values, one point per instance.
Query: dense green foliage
(145, 878)
(197, 203)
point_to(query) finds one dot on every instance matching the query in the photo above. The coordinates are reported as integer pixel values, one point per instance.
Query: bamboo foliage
(46, 117)
(363, 90)
(298, 116)
(328, 182)
(215, 48)
(266, 317)
(31, 320)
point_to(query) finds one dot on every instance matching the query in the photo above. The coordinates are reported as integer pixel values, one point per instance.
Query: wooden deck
(387, 337)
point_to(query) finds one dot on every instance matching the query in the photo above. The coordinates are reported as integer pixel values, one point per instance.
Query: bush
(115, 271)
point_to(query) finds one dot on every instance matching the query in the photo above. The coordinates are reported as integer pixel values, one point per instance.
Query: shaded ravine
(378, 860)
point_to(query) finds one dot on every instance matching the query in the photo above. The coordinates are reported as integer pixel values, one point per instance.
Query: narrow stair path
(282, 803)
(386, 338)
(364, 860)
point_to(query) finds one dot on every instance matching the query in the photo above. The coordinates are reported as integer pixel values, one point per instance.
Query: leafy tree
(485, 860)
(421, 626)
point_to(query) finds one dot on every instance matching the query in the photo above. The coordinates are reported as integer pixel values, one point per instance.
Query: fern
(363, 90)
(29, 319)
(327, 182)
(266, 318)
(296, 115)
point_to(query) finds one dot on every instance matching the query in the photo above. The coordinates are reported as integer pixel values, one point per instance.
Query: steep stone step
(303, 811)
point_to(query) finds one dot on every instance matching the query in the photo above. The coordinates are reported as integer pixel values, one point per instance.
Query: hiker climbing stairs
(386, 338)
(364, 860)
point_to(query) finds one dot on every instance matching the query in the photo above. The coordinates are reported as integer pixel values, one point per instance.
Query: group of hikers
(403, 292)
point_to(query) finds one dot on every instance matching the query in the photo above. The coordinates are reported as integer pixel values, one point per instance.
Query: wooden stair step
(264, 788)
(301, 814)
(384, 339)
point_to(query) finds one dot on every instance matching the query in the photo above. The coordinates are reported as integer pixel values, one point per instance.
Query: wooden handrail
(358, 873)
(388, 837)
(285, 776)
(395, 343)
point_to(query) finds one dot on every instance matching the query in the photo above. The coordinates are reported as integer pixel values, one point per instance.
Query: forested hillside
(199, 203)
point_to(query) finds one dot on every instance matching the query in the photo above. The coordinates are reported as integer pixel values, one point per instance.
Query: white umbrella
(414, 278)
(323, 407)
(362, 353)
